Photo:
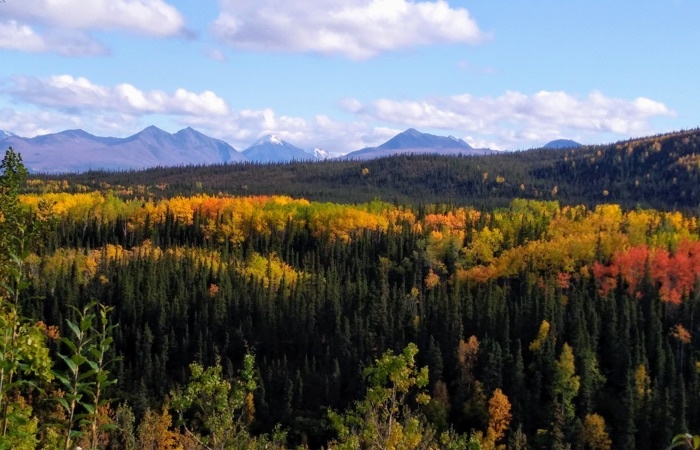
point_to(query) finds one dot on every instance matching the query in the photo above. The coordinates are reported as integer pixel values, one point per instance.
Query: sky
(347, 74)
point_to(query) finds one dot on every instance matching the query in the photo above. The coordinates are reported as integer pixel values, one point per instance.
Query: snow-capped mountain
(323, 154)
(272, 149)
(78, 151)
(5, 134)
(413, 141)
(269, 139)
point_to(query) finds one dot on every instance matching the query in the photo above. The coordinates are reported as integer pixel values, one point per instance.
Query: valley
(551, 290)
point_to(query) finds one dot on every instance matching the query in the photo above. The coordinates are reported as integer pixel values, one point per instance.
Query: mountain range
(79, 151)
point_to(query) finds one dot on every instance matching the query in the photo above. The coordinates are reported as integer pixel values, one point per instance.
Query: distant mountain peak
(154, 136)
(271, 148)
(5, 134)
(413, 141)
(77, 133)
(413, 138)
(562, 143)
(269, 139)
(152, 129)
(189, 131)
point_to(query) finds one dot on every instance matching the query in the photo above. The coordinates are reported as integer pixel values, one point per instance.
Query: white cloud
(151, 17)
(34, 123)
(22, 37)
(483, 143)
(357, 29)
(515, 117)
(68, 93)
(61, 26)
(14, 36)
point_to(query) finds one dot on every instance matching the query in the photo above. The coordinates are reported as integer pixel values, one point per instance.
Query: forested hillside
(660, 172)
(531, 300)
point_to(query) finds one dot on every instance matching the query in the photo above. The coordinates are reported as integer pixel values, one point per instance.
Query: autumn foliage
(675, 273)
(499, 417)
(539, 323)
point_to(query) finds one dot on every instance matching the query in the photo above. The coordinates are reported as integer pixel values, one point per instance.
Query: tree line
(660, 172)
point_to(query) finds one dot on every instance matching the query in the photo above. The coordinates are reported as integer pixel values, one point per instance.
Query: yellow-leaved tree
(593, 434)
(499, 420)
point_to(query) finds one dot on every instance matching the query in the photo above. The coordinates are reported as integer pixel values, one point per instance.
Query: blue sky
(345, 74)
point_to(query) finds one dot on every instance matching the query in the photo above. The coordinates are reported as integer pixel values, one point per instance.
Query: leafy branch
(86, 376)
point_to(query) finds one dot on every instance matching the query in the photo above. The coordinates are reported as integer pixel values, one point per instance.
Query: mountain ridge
(78, 150)
(413, 141)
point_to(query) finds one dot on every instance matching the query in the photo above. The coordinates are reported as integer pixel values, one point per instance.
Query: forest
(537, 300)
